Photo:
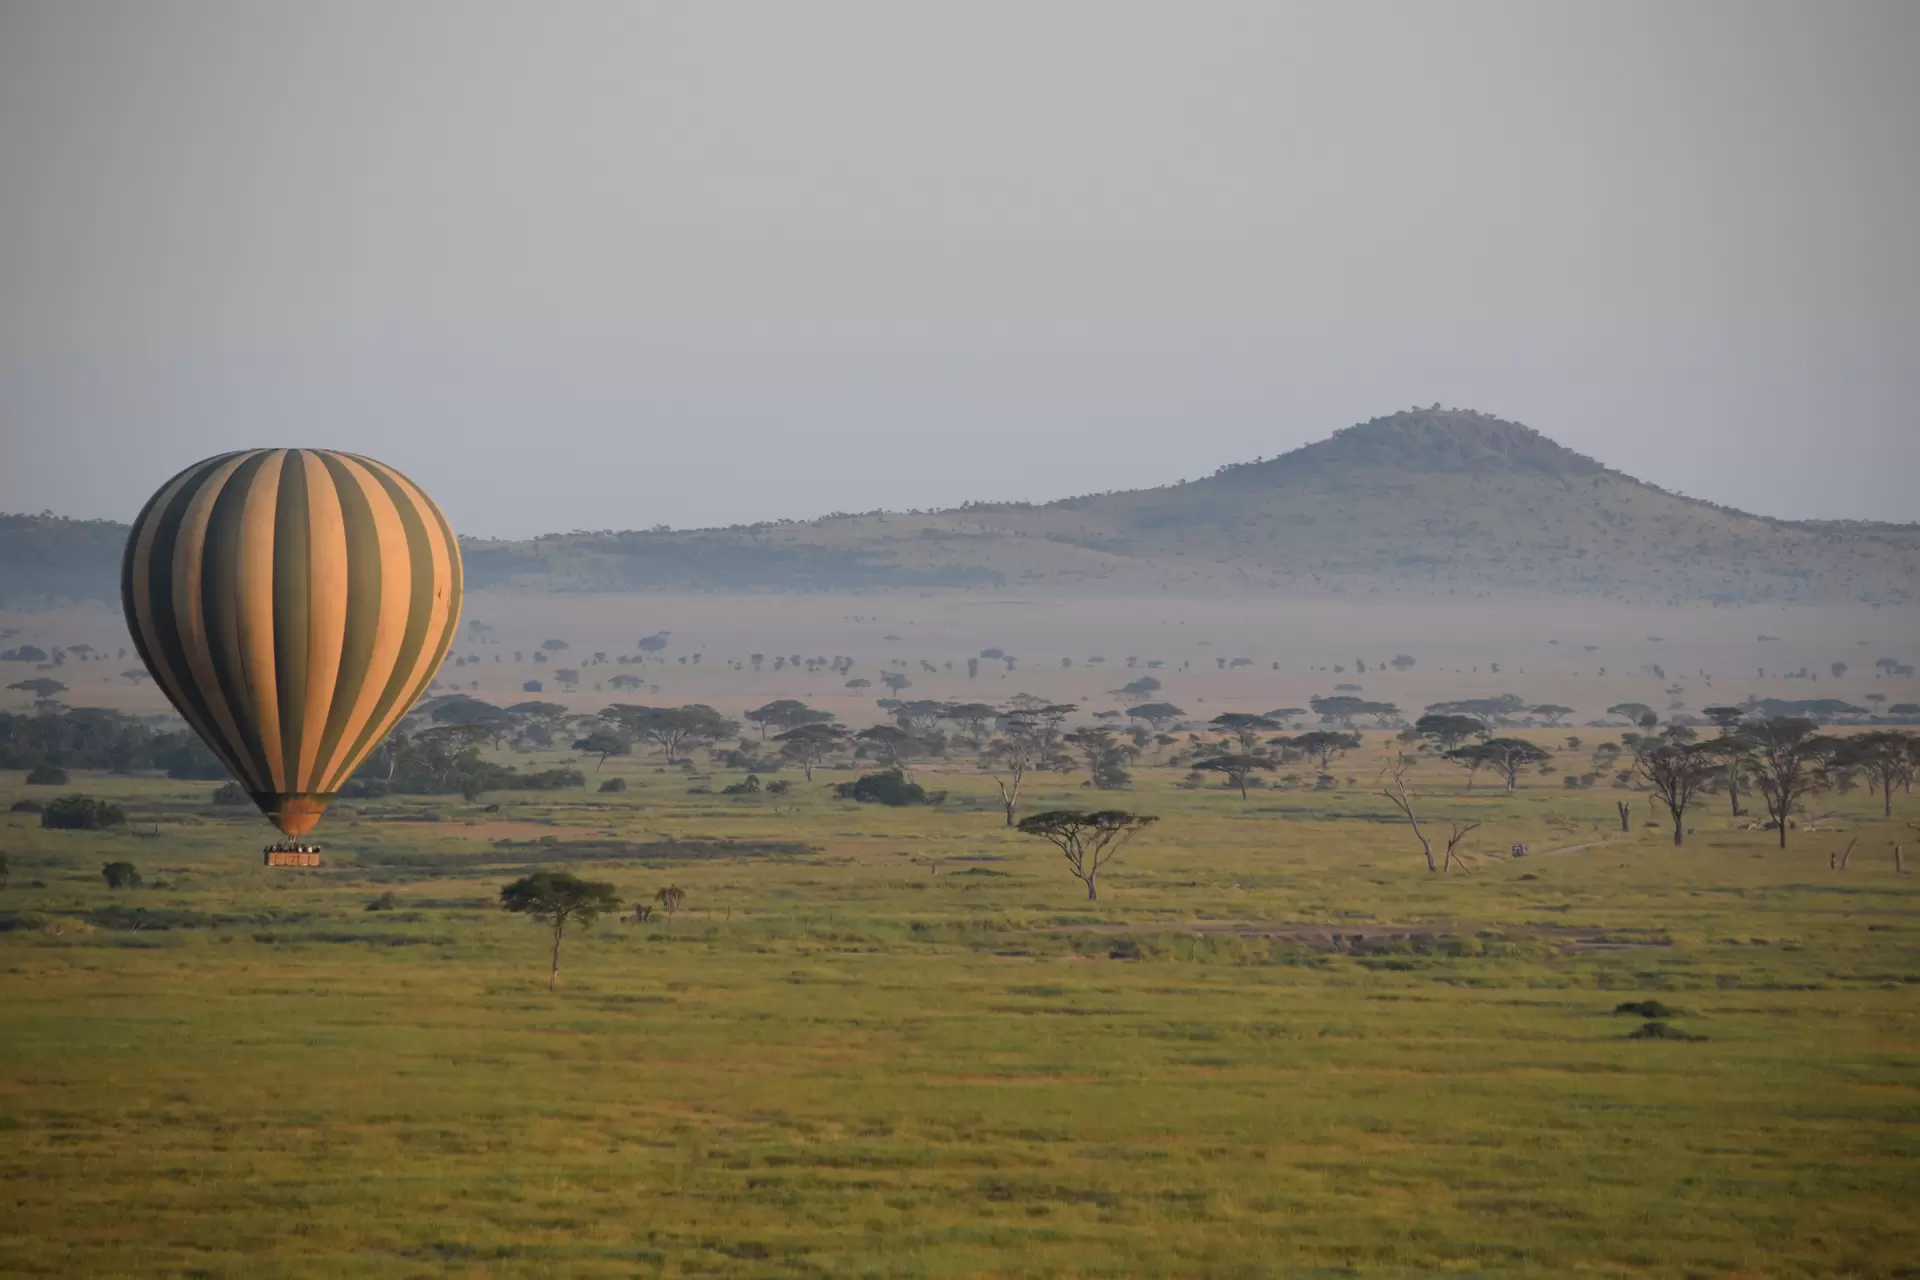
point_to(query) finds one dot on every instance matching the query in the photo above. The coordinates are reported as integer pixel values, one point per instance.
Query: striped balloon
(292, 603)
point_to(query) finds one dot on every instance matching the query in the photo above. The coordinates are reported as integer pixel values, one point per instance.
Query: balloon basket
(289, 853)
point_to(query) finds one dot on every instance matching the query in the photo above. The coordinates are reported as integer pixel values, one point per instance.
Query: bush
(26, 806)
(779, 788)
(81, 813)
(120, 875)
(614, 784)
(890, 787)
(47, 775)
(1660, 1031)
(1645, 1009)
(229, 793)
(382, 903)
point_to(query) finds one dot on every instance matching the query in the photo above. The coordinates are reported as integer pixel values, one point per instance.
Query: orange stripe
(327, 612)
(445, 587)
(253, 584)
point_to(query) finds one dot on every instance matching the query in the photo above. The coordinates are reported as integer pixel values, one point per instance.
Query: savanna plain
(880, 1041)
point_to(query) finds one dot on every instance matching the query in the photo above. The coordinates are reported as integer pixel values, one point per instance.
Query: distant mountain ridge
(1440, 502)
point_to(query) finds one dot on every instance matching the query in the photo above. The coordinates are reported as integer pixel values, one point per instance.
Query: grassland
(883, 1042)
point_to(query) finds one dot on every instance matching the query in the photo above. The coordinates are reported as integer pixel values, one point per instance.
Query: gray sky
(611, 265)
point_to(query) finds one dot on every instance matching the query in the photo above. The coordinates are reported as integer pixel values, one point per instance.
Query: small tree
(557, 898)
(670, 898)
(603, 743)
(1888, 758)
(1324, 746)
(81, 813)
(1027, 738)
(1244, 728)
(1553, 713)
(1790, 760)
(1394, 787)
(809, 744)
(1237, 766)
(1508, 757)
(1157, 714)
(1733, 747)
(1089, 840)
(1449, 731)
(40, 687)
(120, 875)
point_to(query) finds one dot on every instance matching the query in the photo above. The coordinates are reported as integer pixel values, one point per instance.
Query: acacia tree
(1324, 746)
(673, 729)
(785, 713)
(1026, 739)
(1157, 714)
(1733, 748)
(811, 743)
(1676, 771)
(1449, 731)
(603, 743)
(1244, 728)
(1887, 756)
(890, 743)
(558, 898)
(671, 897)
(1508, 757)
(1237, 766)
(1089, 840)
(1790, 758)
(1107, 757)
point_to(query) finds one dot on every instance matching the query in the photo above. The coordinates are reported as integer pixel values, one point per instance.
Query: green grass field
(1274, 1046)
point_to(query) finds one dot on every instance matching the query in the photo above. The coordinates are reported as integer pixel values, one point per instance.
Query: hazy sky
(582, 265)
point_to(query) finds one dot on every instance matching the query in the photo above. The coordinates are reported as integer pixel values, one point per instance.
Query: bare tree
(1089, 840)
(1459, 831)
(1394, 787)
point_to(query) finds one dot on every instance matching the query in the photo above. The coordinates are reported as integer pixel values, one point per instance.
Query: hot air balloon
(292, 604)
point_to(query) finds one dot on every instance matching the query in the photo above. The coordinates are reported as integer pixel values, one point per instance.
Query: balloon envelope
(292, 604)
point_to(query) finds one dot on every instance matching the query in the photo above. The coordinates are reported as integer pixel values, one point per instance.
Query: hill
(1424, 502)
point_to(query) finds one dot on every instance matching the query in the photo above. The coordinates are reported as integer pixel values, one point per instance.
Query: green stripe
(160, 628)
(292, 609)
(220, 610)
(456, 590)
(363, 601)
(419, 608)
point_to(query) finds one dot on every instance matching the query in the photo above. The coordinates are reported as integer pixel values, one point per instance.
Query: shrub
(229, 793)
(890, 788)
(779, 788)
(26, 806)
(1645, 1009)
(382, 903)
(120, 875)
(47, 775)
(1660, 1031)
(614, 784)
(81, 813)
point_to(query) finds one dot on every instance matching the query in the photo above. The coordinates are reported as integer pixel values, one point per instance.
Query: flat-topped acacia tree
(558, 898)
(1089, 840)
